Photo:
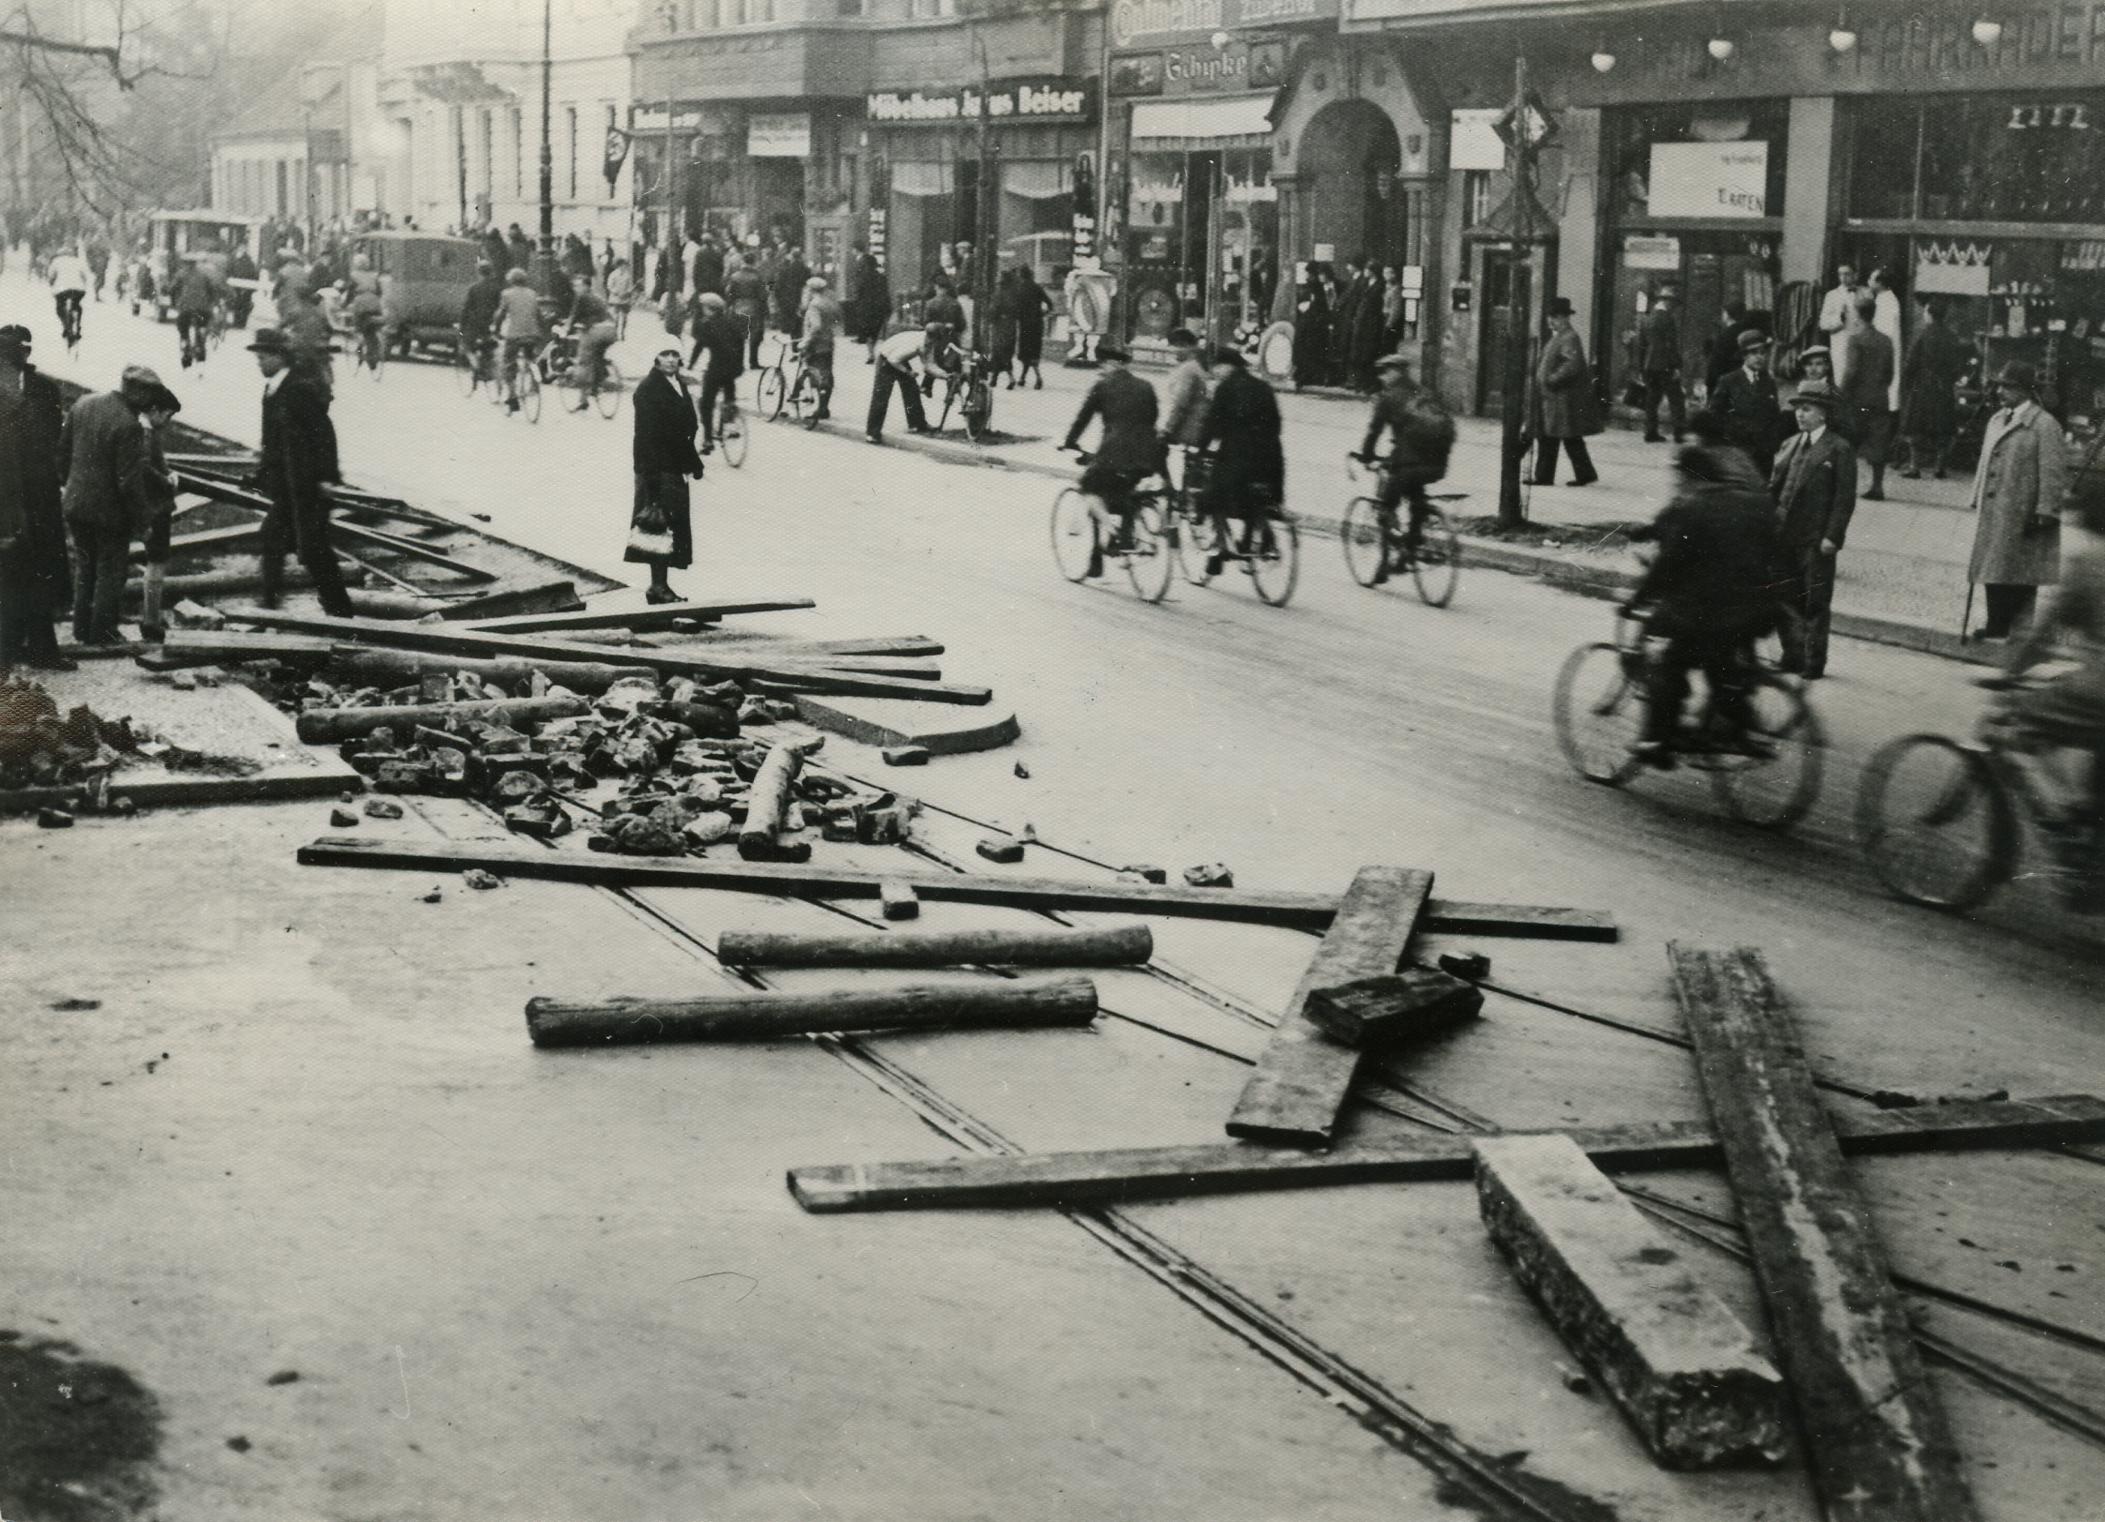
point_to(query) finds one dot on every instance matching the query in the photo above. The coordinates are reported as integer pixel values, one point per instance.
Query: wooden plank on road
(658, 616)
(1303, 911)
(1880, 1447)
(1158, 1173)
(1304, 1074)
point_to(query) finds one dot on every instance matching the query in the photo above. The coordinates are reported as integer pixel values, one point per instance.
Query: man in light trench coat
(2018, 491)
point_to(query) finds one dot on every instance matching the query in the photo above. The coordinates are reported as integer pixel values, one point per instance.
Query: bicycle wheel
(1366, 547)
(979, 413)
(807, 399)
(529, 383)
(1275, 565)
(731, 436)
(570, 385)
(1599, 713)
(1152, 564)
(611, 385)
(950, 395)
(1935, 822)
(1438, 564)
(771, 392)
(1777, 790)
(1198, 538)
(466, 374)
(1073, 533)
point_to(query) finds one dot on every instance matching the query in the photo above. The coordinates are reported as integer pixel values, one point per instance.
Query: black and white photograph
(1052, 760)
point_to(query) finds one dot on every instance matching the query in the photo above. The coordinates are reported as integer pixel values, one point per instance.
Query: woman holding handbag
(661, 535)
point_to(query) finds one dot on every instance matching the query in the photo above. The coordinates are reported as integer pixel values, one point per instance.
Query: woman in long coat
(1369, 330)
(1312, 334)
(1570, 413)
(664, 458)
(2018, 490)
(869, 299)
(1929, 402)
(1001, 327)
(1033, 305)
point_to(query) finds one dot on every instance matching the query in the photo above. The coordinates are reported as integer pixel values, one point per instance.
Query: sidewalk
(1902, 577)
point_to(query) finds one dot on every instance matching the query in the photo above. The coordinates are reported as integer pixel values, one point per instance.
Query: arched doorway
(1349, 158)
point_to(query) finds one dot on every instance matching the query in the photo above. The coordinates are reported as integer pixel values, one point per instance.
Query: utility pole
(982, 247)
(544, 276)
(1512, 508)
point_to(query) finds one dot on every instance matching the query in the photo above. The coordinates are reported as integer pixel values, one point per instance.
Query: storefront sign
(1709, 180)
(1034, 100)
(1640, 253)
(779, 135)
(877, 235)
(1084, 220)
(1139, 23)
(1199, 67)
(645, 119)
(1473, 141)
(1952, 269)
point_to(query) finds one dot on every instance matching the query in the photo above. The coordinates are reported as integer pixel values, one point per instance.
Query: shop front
(946, 172)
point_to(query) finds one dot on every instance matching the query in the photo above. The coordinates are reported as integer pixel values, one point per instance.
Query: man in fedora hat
(1744, 401)
(107, 501)
(1814, 484)
(1568, 410)
(299, 455)
(2018, 490)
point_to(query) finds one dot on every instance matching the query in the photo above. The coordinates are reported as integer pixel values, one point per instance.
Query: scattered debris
(1394, 1007)
(284, 1377)
(1146, 874)
(906, 755)
(1000, 848)
(433, 897)
(239, 1444)
(1023, 771)
(382, 808)
(899, 900)
(1473, 965)
(342, 818)
(54, 819)
(74, 1006)
(475, 877)
(1212, 875)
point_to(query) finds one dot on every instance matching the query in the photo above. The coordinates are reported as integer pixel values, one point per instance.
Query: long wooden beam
(415, 549)
(1300, 911)
(446, 639)
(1880, 1446)
(660, 616)
(1156, 1173)
(1304, 1074)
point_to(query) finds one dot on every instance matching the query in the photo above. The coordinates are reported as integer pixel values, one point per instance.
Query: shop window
(1885, 144)
(1476, 197)
(1628, 137)
(1980, 159)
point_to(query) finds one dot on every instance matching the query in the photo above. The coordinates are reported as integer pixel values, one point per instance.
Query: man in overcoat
(299, 455)
(1570, 410)
(1814, 484)
(36, 579)
(106, 498)
(1659, 362)
(2019, 488)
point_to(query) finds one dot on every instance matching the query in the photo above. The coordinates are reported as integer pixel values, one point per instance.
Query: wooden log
(1684, 1369)
(899, 900)
(204, 484)
(208, 541)
(1407, 1005)
(658, 616)
(447, 640)
(1124, 946)
(1304, 911)
(705, 719)
(1303, 1076)
(1880, 1446)
(1159, 1173)
(377, 665)
(325, 726)
(353, 536)
(771, 1016)
(182, 648)
(765, 647)
(768, 801)
(542, 597)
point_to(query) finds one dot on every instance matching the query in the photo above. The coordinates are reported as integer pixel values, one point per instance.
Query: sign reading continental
(1048, 100)
(1153, 23)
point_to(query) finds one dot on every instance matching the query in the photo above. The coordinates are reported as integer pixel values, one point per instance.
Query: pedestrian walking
(1033, 305)
(1744, 403)
(1571, 412)
(621, 294)
(720, 351)
(822, 326)
(904, 361)
(1814, 484)
(1929, 402)
(1659, 362)
(1001, 328)
(2019, 489)
(1867, 385)
(106, 499)
(298, 458)
(36, 579)
(661, 529)
(709, 265)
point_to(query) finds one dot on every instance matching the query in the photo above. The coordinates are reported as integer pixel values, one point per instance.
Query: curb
(1598, 582)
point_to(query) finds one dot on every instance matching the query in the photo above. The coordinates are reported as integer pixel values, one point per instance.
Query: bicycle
(70, 318)
(471, 362)
(730, 430)
(972, 392)
(1149, 556)
(522, 381)
(1767, 775)
(369, 353)
(1377, 546)
(778, 378)
(1270, 554)
(581, 393)
(1938, 819)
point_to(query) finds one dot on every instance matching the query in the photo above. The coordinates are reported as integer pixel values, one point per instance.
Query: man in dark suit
(1129, 450)
(299, 454)
(1745, 404)
(1814, 484)
(1659, 361)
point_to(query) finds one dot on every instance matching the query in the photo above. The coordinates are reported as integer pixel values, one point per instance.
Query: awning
(1199, 122)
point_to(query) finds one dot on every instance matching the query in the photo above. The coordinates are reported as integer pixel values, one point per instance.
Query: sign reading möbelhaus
(1026, 100)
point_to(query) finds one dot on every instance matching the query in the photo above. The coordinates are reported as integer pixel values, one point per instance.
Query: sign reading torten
(1035, 100)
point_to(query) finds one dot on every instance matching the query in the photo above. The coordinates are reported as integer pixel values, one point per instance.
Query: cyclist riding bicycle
(193, 296)
(69, 279)
(478, 313)
(592, 323)
(1247, 470)
(518, 328)
(1127, 453)
(721, 335)
(368, 307)
(1711, 588)
(1423, 436)
(1189, 390)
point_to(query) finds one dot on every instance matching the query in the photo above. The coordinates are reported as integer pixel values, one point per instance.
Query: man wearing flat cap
(1745, 404)
(36, 581)
(107, 501)
(299, 455)
(2018, 491)
(1814, 484)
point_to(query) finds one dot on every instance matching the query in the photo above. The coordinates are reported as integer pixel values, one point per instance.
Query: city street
(1294, 745)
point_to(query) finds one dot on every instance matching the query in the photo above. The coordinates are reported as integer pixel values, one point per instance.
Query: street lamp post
(1512, 505)
(544, 256)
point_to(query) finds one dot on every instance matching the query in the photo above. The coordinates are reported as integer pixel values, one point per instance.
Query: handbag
(649, 533)
(1634, 394)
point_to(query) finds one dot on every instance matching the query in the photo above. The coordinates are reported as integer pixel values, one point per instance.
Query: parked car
(425, 277)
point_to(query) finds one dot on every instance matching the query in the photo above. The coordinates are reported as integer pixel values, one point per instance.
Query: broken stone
(1473, 965)
(382, 808)
(1001, 848)
(906, 755)
(75, 1006)
(711, 829)
(433, 896)
(183, 681)
(341, 818)
(1210, 875)
(1023, 771)
(54, 819)
(476, 877)
(1148, 874)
